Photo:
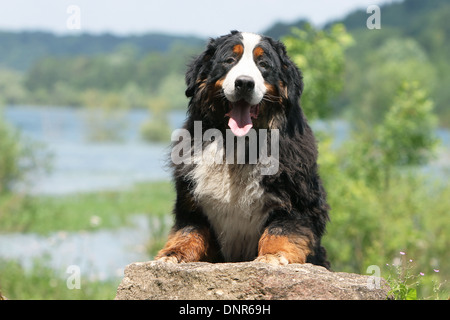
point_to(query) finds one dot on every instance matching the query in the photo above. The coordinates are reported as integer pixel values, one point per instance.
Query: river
(80, 165)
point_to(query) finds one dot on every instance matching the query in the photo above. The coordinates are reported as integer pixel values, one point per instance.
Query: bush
(19, 158)
(157, 128)
(371, 224)
(320, 56)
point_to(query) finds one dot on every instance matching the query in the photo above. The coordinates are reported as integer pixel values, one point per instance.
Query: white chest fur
(233, 200)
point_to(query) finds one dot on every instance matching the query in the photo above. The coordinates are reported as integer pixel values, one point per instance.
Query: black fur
(296, 185)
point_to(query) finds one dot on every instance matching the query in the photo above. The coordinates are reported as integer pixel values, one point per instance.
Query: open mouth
(241, 114)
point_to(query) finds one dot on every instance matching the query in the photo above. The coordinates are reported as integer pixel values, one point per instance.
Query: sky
(192, 17)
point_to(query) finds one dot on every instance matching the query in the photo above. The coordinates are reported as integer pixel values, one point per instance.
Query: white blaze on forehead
(250, 41)
(246, 67)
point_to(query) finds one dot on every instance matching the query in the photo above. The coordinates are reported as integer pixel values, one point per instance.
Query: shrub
(19, 158)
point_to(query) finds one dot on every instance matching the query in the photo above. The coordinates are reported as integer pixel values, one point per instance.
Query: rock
(243, 281)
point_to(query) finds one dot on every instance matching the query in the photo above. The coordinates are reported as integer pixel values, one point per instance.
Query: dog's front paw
(170, 256)
(167, 259)
(274, 259)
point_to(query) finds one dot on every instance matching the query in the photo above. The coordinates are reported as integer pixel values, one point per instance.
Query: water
(79, 165)
(99, 255)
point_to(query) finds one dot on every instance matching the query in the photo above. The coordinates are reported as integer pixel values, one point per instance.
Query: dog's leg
(287, 238)
(188, 244)
(191, 238)
(282, 249)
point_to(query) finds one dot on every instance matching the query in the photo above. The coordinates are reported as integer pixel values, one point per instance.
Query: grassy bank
(44, 283)
(75, 212)
(84, 211)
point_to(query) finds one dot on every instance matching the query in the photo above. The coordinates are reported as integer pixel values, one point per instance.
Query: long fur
(232, 211)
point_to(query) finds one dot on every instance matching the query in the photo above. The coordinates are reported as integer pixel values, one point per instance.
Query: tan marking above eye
(258, 52)
(238, 49)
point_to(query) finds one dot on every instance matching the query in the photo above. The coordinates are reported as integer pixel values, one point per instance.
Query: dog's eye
(264, 65)
(230, 60)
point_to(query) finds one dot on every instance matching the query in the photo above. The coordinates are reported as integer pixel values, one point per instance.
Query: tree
(105, 115)
(19, 158)
(11, 87)
(405, 137)
(320, 56)
(407, 134)
(157, 127)
(373, 83)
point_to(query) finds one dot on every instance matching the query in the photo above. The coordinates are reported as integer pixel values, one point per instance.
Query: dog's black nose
(244, 84)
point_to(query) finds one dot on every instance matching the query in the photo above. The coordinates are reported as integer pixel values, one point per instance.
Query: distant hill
(281, 29)
(401, 14)
(19, 50)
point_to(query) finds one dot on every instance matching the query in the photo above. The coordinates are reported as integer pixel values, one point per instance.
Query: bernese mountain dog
(244, 85)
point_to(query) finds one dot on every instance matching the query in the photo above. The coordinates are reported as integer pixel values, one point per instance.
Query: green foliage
(78, 211)
(88, 212)
(19, 157)
(320, 55)
(418, 28)
(380, 203)
(405, 137)
(372, 81)
(11, 87)
(105, 116)
(374, 216)
(407, 282)
(11, 152)
(407, 134)
(44, 283)
(157, 128)
(133, 80)
(370, 225)
(403, 280)
(21, 50)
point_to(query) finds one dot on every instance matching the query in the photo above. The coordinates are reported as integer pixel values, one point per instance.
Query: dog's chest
(233, 199)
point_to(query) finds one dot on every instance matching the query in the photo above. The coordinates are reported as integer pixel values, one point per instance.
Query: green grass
(43, 283)
(84, 211)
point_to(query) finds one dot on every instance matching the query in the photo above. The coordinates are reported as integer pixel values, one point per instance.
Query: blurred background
(91, 91)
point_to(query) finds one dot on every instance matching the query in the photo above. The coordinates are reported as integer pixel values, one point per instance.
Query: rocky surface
(244, 281)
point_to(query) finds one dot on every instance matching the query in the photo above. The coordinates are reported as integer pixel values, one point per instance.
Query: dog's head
(244, 80)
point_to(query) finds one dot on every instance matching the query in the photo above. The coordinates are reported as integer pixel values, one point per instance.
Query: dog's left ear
(291, 75)
(293, 80)
(197, 70)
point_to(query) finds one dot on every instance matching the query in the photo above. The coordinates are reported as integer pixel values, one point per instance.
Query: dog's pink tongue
(240, 121)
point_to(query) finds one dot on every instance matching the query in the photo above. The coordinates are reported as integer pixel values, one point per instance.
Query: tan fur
(187, 246)
(287, 249)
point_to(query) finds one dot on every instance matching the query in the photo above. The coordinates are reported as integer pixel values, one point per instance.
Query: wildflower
(95, 221)
(410, 260)
(436, 270)
(402, 253)
(422, 274)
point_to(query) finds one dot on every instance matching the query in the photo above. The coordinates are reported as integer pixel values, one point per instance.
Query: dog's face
(244, 80)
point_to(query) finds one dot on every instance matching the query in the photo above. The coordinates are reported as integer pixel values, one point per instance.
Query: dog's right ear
(199, 67)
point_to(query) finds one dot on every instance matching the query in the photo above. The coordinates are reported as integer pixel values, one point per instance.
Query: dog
(242, 85)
